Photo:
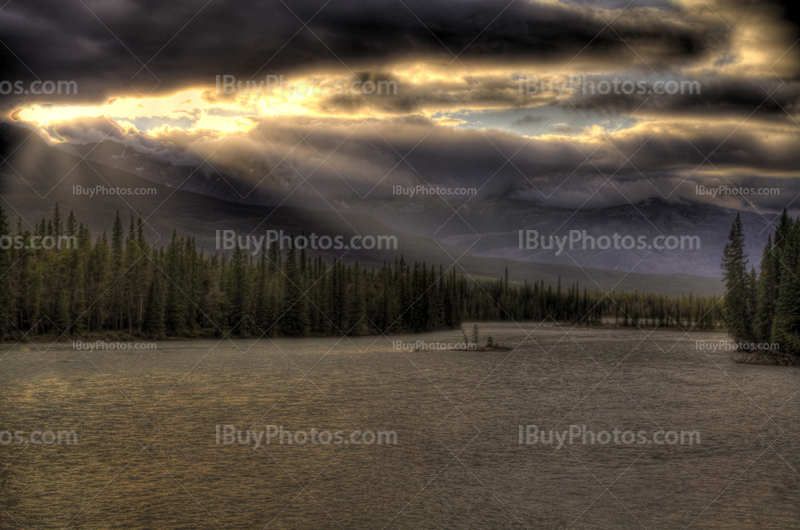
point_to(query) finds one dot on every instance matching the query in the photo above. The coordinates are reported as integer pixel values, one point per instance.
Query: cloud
(709, 96)
(315, 161)
(137, 46)
(452, 121)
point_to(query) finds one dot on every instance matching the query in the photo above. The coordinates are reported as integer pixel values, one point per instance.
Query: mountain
(489, 227)
(492, 227)
(240, 184)
(34, 176)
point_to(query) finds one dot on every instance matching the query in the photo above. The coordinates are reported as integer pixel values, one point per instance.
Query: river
(647, 432)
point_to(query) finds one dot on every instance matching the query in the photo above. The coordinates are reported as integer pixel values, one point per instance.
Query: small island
(473, 343)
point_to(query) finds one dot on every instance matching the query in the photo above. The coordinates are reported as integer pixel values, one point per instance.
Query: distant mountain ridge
(495, 219)
(498, 221)
(51, 172)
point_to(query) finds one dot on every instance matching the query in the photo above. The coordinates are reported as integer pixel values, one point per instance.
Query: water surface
(148, 457)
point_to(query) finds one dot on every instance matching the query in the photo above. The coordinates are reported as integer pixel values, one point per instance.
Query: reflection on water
(148, 458)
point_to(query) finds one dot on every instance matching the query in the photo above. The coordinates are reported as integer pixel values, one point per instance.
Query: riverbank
(210, 334)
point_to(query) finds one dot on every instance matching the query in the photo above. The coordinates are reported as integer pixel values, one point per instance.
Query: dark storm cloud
(102, 45)
(345, 160)
(717, 96)
(414, 151)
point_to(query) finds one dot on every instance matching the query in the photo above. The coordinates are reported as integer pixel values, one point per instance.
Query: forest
(764, 307)
(122, 286)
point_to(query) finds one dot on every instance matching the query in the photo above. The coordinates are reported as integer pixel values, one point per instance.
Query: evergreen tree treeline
(126, 286)
(764, 308)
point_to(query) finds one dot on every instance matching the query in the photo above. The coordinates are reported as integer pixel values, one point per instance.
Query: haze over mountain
(491, 228)
(49, 174)
(485, 225)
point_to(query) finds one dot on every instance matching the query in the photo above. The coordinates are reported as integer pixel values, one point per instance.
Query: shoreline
(120, 337)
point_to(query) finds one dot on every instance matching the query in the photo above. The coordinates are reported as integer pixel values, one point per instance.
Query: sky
(569, 103)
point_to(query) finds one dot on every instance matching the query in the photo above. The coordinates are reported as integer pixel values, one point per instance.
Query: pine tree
(358, 323)
(63, 322)
(261, 309)
(7, 311)
(30, 292)
(786, 325)
(239, 291)
(154, 324)
(72, 224)
(76, 278)
(738, 315)
(766, 293)
(117, 257)
(752, 300)
(295, 321)
(176, 300)
(98, 273)
(58, 228)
